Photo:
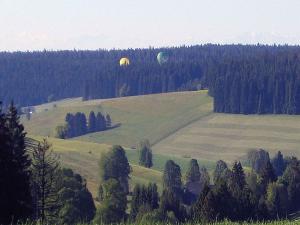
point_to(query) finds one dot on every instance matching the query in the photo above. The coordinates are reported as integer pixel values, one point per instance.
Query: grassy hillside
(83, 157)
(180, 125)
(151, 116)
(229, 137)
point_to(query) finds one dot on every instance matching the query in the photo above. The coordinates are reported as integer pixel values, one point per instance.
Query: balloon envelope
(162, 58)
(124, 62)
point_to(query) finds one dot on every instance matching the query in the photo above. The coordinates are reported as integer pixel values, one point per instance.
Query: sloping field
(229, 137)
(83, 157)
(151, 116)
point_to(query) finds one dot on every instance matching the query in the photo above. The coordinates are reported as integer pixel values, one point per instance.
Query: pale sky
(94, 24)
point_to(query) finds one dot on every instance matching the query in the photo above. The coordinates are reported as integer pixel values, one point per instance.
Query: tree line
(268, 82)
(77, 124)
(33, 185)
(242, 78)
(268, 192)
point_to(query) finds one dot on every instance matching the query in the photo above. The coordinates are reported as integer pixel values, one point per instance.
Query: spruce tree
(237, 179)
(193, 173)
(221, 172)
(204, 177)
(92, 122)
(114, 164)
(278, 164)
(135, 201)
(267, 175)
(75, 201)
(100, 121)
(15, 194)
(154, 196)
(172, 178)
(145, 152)
(113, 206)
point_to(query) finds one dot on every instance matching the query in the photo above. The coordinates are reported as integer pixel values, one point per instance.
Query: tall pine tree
(15, 194)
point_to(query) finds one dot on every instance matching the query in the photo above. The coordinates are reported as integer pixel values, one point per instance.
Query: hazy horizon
(78, 24)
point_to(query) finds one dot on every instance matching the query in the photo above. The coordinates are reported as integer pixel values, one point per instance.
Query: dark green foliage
(75, 201)
(113, 206)
(172, 178)
(221, 173)
(145, 153)
(258, 160)
(199, 209)
(237, 180)
(100, 122)
(267, 175)
(263, 81)
(92, 125)
(169, 202)
(76, 125)
(114, 165)
(193, 173)
(204, 177)
(15, 194)
(278, 164)
(45, 182)
(242, 79)
(224, 201)
(143, 196)
(291, 179)
(277, 200)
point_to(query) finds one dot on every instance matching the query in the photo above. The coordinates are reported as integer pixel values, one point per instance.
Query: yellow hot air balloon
(124, 62)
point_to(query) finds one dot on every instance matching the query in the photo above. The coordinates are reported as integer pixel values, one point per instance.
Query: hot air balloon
(124, 62)
(162, 58)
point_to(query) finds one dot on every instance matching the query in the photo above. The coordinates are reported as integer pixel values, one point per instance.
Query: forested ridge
(242, 78)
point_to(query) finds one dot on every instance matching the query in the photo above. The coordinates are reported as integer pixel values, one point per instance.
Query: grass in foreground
(281, 222)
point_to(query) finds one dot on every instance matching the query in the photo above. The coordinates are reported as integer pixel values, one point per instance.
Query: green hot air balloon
(162, 58)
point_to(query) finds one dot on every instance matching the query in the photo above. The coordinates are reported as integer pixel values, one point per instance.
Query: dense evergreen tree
(267, 175)
(145, 154)
(258, 160)
(291, 179)
(15, 193)
(169, 202)
(101, 122)
(278, 164)
(204, 177)
(113, 206)
(237, 179)
(172, 178)
(92, 125)
(143, 196)
(76, 125)
(277, 200)
(223, 201)
(75, 201)
(114, 165)
(193, 173)
(221, 172)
